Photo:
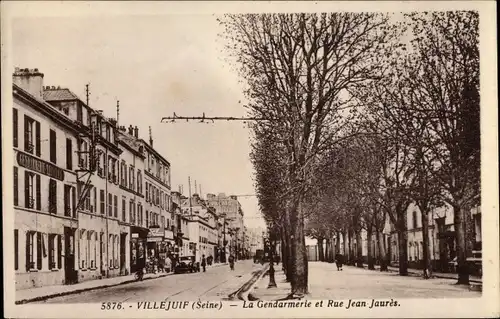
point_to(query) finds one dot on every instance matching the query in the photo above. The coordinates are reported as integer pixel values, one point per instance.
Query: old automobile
(186, 264)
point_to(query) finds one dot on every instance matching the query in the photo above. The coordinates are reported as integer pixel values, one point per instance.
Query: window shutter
(59, 252)
(27, 251)
(16, 186)
(37, 138)
(38, 193)
(39, 251)
(26, 134)
(14, 114)
(16, 249)
(69, 154)
(73, 201)
(26, 189)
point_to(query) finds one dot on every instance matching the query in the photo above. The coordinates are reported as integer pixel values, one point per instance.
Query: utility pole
(87, 93)
(117, 112)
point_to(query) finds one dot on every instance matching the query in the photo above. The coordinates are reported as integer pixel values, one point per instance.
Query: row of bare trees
(365, 114)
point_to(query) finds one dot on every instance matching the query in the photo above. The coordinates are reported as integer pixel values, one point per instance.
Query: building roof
(59, 94)
(130, 141)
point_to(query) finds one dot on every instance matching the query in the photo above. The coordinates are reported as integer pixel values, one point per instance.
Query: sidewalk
(325, 282)
(46, 292)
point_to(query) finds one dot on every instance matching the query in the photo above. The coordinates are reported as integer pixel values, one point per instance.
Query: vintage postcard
(332, 159)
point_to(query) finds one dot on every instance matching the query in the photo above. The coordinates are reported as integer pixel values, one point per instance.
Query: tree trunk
(359, 250)
(324, 255)
(403, 244)
(349, 250)
(371, 262)
(337, 244)
(382, 252)
(299, 255)
(272, 280)
(427, 268)
(345, 246)
(459, 223)
(284, 256)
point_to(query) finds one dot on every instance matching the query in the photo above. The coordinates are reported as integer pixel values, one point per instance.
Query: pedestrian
(168, 264)
(339, 261)
(231, 262)
(203, 263)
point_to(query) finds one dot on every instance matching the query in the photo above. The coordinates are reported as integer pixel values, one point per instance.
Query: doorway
(70, 275)
(123, 266)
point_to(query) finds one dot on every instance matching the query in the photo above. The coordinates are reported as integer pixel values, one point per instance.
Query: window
(123, 174)
(147, 192)
(32, 190)
(131, 181)
(52, 196)
(124, 208)
(16, 249)
(102, 202)
(52, 251)
(16, 186)
(95, 199)
(79, 113)
(67, 200)
(115, 198)
(31, 136)
(139, 181)
(15, 133)
(110, 204)
(147, 218)
(131, 211)
(53, 146)
(161, 199)
(69, 154)
(414, 219)
(125, 180)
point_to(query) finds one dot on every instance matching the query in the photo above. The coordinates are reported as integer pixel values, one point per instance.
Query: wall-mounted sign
(39, 166)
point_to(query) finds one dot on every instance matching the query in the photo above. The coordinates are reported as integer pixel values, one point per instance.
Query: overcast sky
(155, 65)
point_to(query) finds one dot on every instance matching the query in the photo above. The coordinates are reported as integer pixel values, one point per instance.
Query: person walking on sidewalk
(204, 263)
(339, 261)
(231, 262)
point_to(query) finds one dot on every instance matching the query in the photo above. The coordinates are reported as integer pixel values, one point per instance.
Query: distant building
(229, 208)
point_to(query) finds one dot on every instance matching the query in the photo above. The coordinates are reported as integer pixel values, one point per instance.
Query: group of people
(209, 260)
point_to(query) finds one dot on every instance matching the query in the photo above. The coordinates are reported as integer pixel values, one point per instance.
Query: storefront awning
(143, 232)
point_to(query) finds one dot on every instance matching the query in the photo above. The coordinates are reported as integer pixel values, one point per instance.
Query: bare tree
(299, 69)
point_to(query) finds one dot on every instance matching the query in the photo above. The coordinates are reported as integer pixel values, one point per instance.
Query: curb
(414, 274)
(77, 291)
(239, 294)
(244, 292)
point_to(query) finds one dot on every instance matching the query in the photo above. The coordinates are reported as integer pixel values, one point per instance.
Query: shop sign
(39, 166)
(169, 234)
(156, 232)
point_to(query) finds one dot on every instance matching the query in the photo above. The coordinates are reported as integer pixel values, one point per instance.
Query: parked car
(186, 264)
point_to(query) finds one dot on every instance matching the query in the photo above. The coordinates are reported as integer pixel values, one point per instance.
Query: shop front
(155, 245)
(138, 247)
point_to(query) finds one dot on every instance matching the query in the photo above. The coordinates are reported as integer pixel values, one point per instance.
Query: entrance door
(123, 266)
(70, 275)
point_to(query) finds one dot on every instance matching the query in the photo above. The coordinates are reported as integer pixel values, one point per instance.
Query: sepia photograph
(169, 161)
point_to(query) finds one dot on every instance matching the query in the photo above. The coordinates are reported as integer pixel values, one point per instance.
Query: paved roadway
(215, 284)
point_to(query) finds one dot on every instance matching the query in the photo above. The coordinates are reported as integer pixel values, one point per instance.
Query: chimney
(136, 132)
(30, 81)
(131, 130)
